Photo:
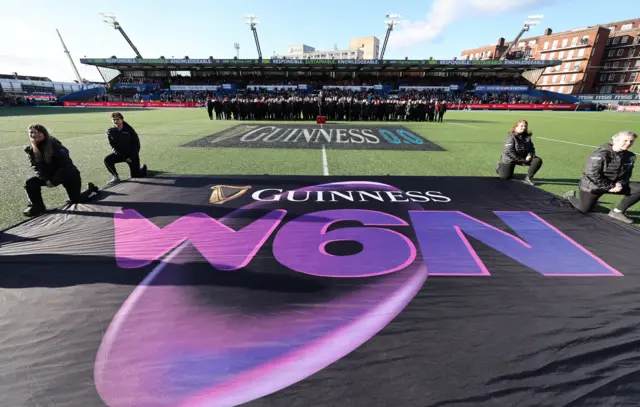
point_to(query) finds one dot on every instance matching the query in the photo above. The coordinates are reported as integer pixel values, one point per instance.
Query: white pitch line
(62, 140)
(568, 142)
(93, 135)
(465, 125)
(325, 164)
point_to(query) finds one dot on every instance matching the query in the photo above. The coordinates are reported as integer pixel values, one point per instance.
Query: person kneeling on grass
(519, 150)
(53, 167)
(608, 171)
(126, 148)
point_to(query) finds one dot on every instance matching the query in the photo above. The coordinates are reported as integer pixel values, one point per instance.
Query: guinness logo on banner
(225, 193)
(336, 136)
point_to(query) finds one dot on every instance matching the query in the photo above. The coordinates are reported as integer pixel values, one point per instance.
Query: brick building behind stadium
(600, 59)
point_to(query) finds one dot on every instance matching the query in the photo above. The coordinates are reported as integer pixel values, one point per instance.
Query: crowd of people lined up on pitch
(608, 170)
(52, 164)
(337, 105)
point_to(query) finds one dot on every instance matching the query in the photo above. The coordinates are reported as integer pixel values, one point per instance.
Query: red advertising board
(505, 106)
(633, 109)
(131, 104)
(451, 106)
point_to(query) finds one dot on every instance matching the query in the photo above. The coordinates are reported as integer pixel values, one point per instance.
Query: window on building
(622, 78)
(554, 79)
(552, 56)
(561, 55)
(565, 42)
(620, 52)
(626, 27)
(616, 40)
(603, 77)
(581, 52)
(612, 76)
(545, 80)
(638, 62)
(561, 89)
(569, 89)
(633, 77)
(626, 64)
(612, 53)
(616, 64)
(574, 77)
(563, 78)
(574, 41)
(624, 39)
(546, 45)
(570, 54)
(567, 66)
(543, 56)
(554, 45)
(552, 89)
(576, 66)
(631, 52)
(612, 29)
(609, 41)
(532, 42)
(607, 65)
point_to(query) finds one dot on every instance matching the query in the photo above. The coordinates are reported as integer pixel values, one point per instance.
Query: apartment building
(599, 59)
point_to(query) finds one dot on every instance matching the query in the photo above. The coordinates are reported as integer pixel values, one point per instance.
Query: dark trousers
(210, 111)
(111, 160)
(586, 201)
(72, 183)
(505, 170)
(440, 116)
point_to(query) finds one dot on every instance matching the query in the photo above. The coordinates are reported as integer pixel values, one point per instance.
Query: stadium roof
(364, 65)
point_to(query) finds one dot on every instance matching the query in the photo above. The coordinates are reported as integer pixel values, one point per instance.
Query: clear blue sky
(199, 28)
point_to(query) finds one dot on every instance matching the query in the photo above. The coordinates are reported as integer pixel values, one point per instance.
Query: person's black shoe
(32, 211)
(93, 188)
(143, 170)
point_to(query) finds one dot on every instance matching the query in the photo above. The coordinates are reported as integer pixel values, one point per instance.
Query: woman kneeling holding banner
(608, 171)
(519, 150)
(53, 167)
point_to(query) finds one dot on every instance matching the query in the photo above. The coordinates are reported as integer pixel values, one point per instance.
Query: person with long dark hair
(126, 148)
(608, 171)
(519, 150)
(53, 166)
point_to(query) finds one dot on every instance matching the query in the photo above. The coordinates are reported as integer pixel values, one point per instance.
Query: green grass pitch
(473, 141)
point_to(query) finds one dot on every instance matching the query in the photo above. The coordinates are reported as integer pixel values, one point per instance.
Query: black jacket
(605, 168)
(516, 149)
(125, 142)
(59, 169)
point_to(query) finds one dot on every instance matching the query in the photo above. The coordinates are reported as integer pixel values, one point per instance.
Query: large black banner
(299, 291)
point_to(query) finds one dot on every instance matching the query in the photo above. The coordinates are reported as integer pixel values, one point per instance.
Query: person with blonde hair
(519, 150)
(608, 171)
(53, 166)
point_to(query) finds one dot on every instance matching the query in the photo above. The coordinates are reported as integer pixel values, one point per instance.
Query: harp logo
(225, 193)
